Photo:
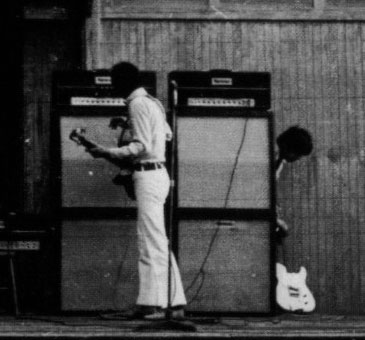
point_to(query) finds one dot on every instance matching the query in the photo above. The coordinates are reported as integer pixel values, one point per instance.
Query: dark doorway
(41, 37)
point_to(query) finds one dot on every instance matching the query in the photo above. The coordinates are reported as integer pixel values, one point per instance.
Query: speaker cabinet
(223, 162)
(99, 265)
(34, 268)
(236, 274)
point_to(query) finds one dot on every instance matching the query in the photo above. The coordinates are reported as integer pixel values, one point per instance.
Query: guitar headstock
(77, 134)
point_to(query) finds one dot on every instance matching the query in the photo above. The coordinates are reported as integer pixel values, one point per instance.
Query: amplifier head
(217, 88)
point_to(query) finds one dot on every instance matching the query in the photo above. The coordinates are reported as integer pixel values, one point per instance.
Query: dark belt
(148, 166)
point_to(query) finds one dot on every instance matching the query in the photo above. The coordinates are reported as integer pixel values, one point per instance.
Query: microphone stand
(170, 324)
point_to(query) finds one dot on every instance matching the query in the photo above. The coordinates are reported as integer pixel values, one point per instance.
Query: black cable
(202, 275)
(201, 270)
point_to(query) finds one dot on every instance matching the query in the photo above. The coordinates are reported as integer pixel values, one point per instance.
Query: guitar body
(292, 293)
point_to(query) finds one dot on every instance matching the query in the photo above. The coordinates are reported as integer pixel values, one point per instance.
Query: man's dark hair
(125, 77)
(295, 140)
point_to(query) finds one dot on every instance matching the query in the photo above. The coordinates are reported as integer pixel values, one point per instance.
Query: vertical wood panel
(336, 171)
(311, 115)
(301, 224)
(328, 179)
(352, 159)
(345, 176)
(276, 77)
(361, 164)
(340, 149)
(246, 46)
(198, 47)
(188, 43)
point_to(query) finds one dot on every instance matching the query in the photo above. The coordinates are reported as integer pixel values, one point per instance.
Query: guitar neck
(281, 253)
(125, 164)
(87, 143)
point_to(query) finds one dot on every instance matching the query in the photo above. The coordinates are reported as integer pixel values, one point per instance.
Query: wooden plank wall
(317, 82)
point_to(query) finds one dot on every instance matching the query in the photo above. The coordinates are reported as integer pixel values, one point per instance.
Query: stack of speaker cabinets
(224, 189)
(223, 207)
(98, 256)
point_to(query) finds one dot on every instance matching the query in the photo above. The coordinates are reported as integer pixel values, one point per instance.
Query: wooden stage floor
(285, 326)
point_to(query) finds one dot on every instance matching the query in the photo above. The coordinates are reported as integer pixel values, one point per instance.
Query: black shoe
(157, 314)
(178, 312)
(148, 313)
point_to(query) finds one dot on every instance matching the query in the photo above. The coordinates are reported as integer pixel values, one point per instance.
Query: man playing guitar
(151, 182)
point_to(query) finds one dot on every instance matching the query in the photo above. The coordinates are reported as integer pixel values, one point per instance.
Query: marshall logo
(103, 80)
(222, 81)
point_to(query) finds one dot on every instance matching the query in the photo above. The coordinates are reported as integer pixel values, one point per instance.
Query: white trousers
(152, 188)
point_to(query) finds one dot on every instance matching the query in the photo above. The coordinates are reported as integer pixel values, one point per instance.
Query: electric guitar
(292, 293)
(124, 177)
